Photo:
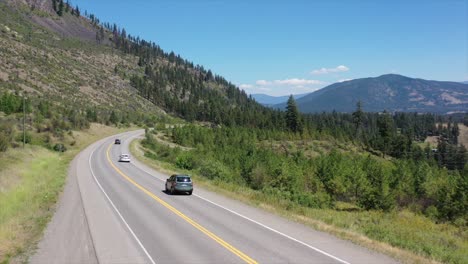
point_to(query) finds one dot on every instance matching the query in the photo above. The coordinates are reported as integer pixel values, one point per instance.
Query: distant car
(179, 183)
(124, 158)
(117, 141)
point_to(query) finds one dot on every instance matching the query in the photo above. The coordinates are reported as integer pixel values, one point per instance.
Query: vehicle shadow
(175, 193)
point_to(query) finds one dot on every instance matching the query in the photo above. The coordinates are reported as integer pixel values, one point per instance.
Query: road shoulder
(86, 228)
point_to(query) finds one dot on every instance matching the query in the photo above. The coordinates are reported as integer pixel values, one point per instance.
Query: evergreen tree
(358, 116)
(385, 127)
(113, 118)
(60, 8)
(54, 5)
(102, 33)
(293, 119)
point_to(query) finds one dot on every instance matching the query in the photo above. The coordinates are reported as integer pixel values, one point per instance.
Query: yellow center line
(220, 241)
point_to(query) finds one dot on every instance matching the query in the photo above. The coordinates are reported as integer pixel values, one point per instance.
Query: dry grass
(463, 137)
(432, 140)
(310, 148)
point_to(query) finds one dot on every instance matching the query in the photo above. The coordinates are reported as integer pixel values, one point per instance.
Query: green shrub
(4, 142)
(59, 147)
(213, 169)
(27, 137)
(185, 161)
(432, 212)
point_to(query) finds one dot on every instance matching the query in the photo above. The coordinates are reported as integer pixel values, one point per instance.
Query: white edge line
(275, 231)
(116, 210)
(255, 222)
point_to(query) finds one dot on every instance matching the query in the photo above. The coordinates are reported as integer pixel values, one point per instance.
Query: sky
(282, 47)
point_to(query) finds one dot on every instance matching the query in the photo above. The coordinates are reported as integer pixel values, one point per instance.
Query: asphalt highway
(128, 218)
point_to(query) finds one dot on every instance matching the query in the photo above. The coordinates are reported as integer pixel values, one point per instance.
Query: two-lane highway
(200, 228)
(183, 228)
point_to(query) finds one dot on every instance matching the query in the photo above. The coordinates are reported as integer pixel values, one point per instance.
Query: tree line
(236, 155)
(46, 119)
(61, 7)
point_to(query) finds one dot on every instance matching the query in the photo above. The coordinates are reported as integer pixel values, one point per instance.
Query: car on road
(124, 158)
(117, 141)
(179, 183)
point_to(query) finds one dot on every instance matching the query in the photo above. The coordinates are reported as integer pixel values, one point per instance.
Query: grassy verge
(31, 181)
(406, 236)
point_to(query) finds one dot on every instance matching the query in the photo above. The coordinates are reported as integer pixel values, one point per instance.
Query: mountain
(389, 92)
(465, 82)
(55, 60)
(269, 100)
(84, 64)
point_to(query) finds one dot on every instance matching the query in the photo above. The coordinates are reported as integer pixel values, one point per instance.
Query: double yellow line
(205, 231)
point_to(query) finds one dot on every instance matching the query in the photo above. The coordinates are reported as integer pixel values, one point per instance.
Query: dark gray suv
(179, 183)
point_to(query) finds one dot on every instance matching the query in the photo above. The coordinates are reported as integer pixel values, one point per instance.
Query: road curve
(122, 215)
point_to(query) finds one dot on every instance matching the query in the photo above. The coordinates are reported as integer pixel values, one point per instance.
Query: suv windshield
(183, 179)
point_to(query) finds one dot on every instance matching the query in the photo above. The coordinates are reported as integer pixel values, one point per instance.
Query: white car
(124, 158)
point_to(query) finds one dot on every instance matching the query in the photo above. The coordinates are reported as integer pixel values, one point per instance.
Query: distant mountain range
(269, 100)
(389, 92)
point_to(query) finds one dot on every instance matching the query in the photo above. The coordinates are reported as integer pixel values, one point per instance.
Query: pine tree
(293, 119)
(60, 8)
(385, 126)
(54, 5)
(102, 33)
(98, 37)
(358, 116)
(113, 118)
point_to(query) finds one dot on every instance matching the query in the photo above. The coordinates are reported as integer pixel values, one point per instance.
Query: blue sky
(297, 46)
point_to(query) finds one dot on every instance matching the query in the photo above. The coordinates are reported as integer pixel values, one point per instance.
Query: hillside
(389, 92)
(69, 72)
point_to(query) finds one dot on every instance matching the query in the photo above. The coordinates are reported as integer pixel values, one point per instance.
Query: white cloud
(297, 82)
(343, 80)
(293, 81)
(283, 87)
(262, 82)
(340, 68)
(246, 86)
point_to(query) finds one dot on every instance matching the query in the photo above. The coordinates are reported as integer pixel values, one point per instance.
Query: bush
(185, 161)
(317, 200)
(27, 137)
(432, 212)
(60, 147)
(214, 170)
(4, 142)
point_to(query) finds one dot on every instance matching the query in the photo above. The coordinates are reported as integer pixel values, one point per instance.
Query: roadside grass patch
(26, 200)
(31, 181)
